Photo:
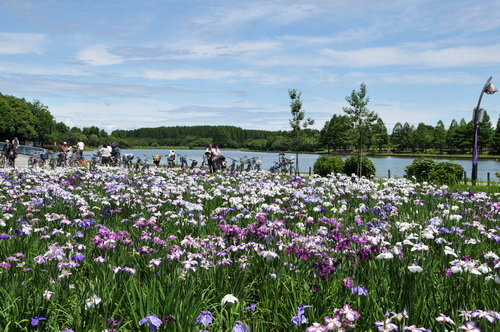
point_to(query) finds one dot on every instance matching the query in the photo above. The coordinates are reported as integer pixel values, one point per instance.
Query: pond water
(396, 165)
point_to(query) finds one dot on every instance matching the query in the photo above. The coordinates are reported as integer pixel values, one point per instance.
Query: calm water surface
(396, 165)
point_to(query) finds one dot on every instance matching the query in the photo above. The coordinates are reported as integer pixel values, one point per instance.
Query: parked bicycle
(204, 163)
(127, 160)
(193, 163)
(55, 159)
(287, 164)
(284, 164)
(233, 166)
(36, 160)
(156, 159)
(243, 162)
(96, 160)
(257, 163)
(76, 160)
(171, 158)
(141, 164)
(183, 160)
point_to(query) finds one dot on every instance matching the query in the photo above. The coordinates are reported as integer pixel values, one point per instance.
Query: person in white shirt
(105, 154)
(80, 148)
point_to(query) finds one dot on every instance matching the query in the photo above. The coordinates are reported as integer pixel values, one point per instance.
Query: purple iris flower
(298, 320)
(151, 321)
(299, 317)
(300, 310)
(205, 318)
(78, 257)
(251, 307)
(360, 290)
(36, 320)
(240, 327)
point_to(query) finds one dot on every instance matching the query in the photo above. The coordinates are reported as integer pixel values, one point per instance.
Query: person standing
(105, 154)
(210, 153)
(15, 142)
(80, 148)
(6, 147)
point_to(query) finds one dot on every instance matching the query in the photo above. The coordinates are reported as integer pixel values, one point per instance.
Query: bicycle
(127, 160)
(204, 163)
(233, 166)
(96, 160)
(11, 159)
(76, 160)
(257, 161)
(243, 161)
(156, 159)
(288, 165)
(54, 159)
(193, 164)
(141, 165)
(171, 159)
(184, 164)
(32, 160)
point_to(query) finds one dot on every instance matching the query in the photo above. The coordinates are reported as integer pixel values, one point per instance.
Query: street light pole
(477, 117)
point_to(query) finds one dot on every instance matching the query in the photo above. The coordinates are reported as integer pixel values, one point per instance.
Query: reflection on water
(396, 165)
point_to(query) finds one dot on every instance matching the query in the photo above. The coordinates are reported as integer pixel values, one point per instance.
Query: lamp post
(477, 117)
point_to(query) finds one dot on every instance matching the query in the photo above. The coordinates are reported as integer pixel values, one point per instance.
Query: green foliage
(362, 118)
(326, 165)
(367, 167)
(426, 169)
(337, 133)
(446, 173)
(420, 168)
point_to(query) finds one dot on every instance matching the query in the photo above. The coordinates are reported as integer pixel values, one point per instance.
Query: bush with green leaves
(420, 168)
(446, 173)
(367, 167)
(326, 165)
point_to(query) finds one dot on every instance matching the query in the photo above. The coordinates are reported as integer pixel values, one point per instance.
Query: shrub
(367, 168)
(326, 165)
(446, 173)
(420, 168)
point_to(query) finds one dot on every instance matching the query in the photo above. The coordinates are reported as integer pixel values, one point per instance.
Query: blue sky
(123, 64)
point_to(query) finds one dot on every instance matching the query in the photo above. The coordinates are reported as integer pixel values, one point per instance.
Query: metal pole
(475, 155)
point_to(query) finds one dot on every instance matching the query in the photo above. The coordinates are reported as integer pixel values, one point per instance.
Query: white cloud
(98, 55)
(404, 56)
(21, 43)
(180, 74)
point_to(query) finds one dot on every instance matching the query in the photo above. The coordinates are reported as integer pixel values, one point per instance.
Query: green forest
(33, 122)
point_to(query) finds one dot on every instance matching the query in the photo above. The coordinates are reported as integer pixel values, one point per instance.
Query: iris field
(168, 251)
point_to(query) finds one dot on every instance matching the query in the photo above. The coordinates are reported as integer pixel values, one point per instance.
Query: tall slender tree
(496, 139)
(298, 121)
(361, 117)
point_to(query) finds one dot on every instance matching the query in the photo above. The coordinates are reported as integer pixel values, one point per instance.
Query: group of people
(10, 148)
(109, 153)
(67, 151)
(216, 161)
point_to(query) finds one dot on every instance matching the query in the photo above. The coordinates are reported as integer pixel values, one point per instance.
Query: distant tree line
(32, 121)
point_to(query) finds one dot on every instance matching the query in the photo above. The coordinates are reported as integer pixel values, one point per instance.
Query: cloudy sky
(125, 64)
